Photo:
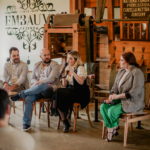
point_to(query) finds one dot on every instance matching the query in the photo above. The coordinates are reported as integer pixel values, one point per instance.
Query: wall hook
(143, 49)
(123, 48)
(142, 57)
(114, 48)
(133, 48)
(114, 56)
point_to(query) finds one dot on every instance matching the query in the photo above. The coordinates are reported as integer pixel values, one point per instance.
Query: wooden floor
(86, 137)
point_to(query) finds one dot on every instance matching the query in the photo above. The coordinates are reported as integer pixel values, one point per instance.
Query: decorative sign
(25, 23)
(136, 8)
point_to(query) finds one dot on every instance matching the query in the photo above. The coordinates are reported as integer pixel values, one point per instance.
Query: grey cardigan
(133, 87)
(52, 74)
(22, 71)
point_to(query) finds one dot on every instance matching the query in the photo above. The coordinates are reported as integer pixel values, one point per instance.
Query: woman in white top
(75, 88)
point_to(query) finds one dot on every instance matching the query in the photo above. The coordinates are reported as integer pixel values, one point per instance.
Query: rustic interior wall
(20, 27)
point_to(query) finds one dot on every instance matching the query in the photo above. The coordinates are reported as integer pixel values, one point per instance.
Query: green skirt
(110, 113)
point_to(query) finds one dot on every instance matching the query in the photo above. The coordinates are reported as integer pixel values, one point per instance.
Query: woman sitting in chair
(127, 93)
(76, 90)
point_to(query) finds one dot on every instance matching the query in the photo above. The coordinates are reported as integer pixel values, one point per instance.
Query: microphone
(66, 64)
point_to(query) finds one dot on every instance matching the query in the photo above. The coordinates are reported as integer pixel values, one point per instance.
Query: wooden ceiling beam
(93, 3)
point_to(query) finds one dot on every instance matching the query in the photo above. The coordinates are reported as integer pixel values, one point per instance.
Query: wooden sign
(136, 8)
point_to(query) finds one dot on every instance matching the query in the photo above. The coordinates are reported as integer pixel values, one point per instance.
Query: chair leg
(48, 119)
(23, 105)
(87, 111)
(104, 129)
(149, 101)
(14, 107)
(75, 118)
(125, 131)
(40, 105)
(131, 125)
(58, 123)
(32, 110)
(35, 108)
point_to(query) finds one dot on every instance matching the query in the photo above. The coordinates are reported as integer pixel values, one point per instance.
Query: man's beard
(14, 61)
(46, 62)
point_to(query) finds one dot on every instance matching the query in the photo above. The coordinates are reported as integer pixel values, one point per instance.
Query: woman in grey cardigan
(127, 92)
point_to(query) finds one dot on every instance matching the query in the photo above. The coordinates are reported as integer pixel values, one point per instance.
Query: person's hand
(10, 88)
(107, 101)
(36, 83)
(110, 98)
(5, 86)
(64, 73)
(70, 68)
(115, 96)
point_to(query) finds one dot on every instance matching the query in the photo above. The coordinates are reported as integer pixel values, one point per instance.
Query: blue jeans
(36, 92)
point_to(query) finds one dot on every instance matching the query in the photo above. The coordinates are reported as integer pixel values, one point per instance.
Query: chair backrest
(91, 77)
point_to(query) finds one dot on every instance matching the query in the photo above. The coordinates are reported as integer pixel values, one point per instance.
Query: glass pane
(124, 30)
(130, 31)
(143, 33)
(137, 31)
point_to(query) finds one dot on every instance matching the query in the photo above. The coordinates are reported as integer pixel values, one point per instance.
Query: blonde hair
(77, 57)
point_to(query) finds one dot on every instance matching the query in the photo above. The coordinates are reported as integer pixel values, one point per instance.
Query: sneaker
(15, 97)
(26, 127)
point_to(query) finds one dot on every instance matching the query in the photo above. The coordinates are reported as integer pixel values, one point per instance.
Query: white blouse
(122, 78)
(81, 72)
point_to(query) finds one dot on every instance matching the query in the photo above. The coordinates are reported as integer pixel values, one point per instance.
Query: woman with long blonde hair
(75, 88)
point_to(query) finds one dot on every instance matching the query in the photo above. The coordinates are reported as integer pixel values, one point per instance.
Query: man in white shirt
(15, 73)
(11, 138)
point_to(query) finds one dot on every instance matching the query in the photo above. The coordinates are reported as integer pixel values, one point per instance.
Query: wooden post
(73, 5)
(121, 17)
(110, 15)
(47, 38)
(94, 12)
(75, 36)
(81, 6)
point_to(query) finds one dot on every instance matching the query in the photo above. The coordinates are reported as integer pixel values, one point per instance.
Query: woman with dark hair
(127, 92)
(75, 88)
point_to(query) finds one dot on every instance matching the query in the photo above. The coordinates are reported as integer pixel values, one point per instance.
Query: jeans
(36, 92)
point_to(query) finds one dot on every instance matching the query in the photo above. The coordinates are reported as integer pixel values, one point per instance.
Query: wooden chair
(41, 102)
(128, 119)
(76, 105)
(23, 100)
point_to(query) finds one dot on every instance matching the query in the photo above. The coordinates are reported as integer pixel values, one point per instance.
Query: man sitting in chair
(45, 79)
(15, 73)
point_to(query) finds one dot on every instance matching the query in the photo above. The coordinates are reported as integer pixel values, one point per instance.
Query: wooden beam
(110, 15)
(75, 36)
(121, 17)
(81, 6)
(93, 3)
(73, 5)
(56, 30)
(46, 37)
(93, 12)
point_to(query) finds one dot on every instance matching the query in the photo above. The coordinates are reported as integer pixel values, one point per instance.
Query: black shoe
(66, 126)
(15, 97)
(26, 127)
(56, 112)
(52, 112)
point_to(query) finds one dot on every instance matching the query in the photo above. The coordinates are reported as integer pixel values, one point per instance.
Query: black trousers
(64, 98)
